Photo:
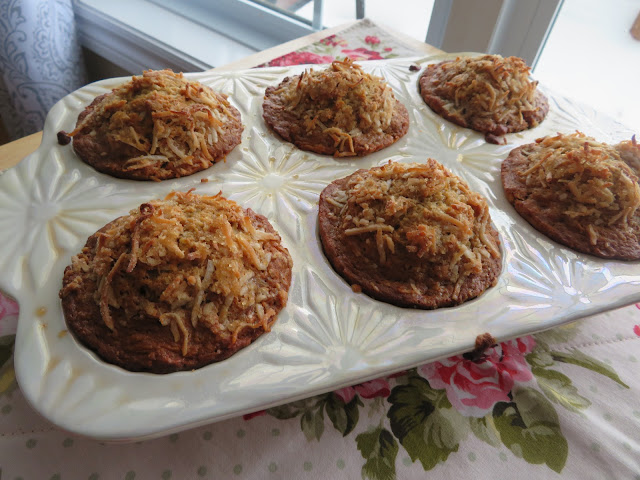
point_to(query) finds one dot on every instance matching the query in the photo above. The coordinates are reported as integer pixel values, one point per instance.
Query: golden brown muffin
(629, 151)
(410, 234)
(339, 111)
(176, 284)
(489, 94)
(578, 192)
(156, 126)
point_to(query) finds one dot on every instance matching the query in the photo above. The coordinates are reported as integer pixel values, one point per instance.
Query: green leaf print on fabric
(7, 374)
(312, 424)
(425, 423)
(529, 427)
(344, 416)
(540, 358)
(485, 429)
(556, 335)
(293, 409)
(558, 388)
(576, 357)
(379, 449)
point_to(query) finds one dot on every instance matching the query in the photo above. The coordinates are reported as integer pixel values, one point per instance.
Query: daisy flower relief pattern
(463, 151)
(545, 278)
(568, 116)
(280, 181)
(330, 330)
(245, 91)
(46, 212)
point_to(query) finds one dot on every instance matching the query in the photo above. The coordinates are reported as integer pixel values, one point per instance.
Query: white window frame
(250, 23)
(505, 27)
(134, 34)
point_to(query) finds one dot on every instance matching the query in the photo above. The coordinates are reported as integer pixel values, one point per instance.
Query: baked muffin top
(156, 126)
(339, 111)
(489, 93)
(629, 151)
(410, 234)
(177, 283)
(579, 192)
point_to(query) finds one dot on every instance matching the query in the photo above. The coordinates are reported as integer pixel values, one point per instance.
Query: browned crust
(290, 127)
(392, 285)
(487, 125)
(110, 156)
(619, 242)
(142, 344)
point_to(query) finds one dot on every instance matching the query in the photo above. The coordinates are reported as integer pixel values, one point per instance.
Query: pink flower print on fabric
(474, 386)
(333, 41)
(361, 53)
(375, 388)
(299, 58)
(636, 330)
(371, 40)
(249, 416)
(8, 316)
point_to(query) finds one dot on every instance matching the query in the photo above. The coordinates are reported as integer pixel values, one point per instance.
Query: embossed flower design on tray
(46, 211)
(245, 91)
(461, 150)
(546, 276)
(334, 331)
(281, 181)
(567, 116)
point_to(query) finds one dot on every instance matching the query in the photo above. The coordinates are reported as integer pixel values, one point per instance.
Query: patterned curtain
(40, 61)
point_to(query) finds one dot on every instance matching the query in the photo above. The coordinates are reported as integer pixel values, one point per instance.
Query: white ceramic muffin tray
(328, 336)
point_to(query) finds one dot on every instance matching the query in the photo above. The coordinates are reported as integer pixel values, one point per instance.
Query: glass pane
(591, 56)
(291, 8)
(407, 16)
(410, 17)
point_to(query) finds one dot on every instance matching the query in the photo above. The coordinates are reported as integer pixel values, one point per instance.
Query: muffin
(490, 94)
(155, 127)
(339, 111)
(629, 151)
(413, 235)
(176, 284)
(578, 192)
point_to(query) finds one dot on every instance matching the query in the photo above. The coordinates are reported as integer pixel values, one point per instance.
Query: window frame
(130, 33)
(505, 27)
(249, 23)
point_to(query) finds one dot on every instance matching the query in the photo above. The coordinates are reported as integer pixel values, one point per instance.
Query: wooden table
(13, 152)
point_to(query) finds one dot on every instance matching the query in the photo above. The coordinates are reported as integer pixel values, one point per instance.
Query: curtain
(41, 61)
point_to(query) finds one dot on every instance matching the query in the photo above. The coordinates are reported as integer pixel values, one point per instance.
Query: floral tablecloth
(562, 403)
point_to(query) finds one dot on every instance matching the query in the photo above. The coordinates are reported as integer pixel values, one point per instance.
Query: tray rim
(122, 435)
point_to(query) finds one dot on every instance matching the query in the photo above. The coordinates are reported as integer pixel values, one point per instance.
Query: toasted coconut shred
(423, 210)
(488, 86)
(163, 116)
(342, 102)
(629, 151)
(594, 186)
(185, 262)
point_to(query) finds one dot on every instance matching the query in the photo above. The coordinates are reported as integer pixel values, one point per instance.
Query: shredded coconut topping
(419, 210)
(187, 262)
(341, 101)
(594, 186)
(163, 116)
(629, 151)
(487, 86)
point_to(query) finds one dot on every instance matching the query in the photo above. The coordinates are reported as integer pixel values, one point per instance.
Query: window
(256, 24)
(591, 56)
